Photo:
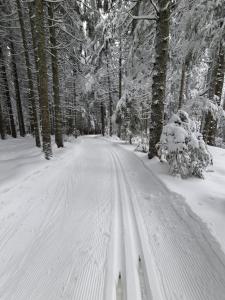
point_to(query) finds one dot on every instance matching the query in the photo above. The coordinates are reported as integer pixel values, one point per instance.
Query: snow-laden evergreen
(183, 147)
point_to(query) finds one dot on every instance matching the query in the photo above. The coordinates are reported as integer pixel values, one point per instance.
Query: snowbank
(20, 159)
(206, 197)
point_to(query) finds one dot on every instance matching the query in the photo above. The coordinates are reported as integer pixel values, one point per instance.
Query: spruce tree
(2, 126)
(43, 77)
(31, 94)
(159, 75)
(8, 99)
(55, 77)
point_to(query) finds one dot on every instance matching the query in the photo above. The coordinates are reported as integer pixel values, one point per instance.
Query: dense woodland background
(110, 67)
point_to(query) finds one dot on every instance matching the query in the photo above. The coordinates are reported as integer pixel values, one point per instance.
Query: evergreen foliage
(111, 67)
(182, 146)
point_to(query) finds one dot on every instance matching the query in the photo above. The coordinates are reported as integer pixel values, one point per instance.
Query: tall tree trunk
(119, 123)
(220, 75)
(219, 83)
(215, 94)
(209, 130)
(75, 102)
(159, 77)
(43, 77)
(182, 83)
(55, 75)
(110, 92)
(31, 9)
(52, 117)
(120, 69)
(31, 94)
(2, 126)
(7, 95)
(103, 118)
(17, 92)
(208, 121)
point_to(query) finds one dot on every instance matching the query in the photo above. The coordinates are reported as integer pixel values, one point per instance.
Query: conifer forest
(112, 149)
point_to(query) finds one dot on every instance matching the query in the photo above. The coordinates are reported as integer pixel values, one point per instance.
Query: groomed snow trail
(98, 225)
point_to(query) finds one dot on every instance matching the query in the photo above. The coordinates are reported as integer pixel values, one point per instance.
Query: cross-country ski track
(96, 224)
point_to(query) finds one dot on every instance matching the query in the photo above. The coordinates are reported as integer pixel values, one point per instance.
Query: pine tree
(8, 100)
(2, 126)
(55, 74)
(102, 119)
(17, 92)
(119, 120)
(31, 94)
(109, 89)
(182, 84)
(219, 81)
(159, 75)
(215, 93)
(43, 78)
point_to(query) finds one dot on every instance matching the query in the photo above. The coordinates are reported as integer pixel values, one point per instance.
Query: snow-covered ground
(95, 223)
(205, 197)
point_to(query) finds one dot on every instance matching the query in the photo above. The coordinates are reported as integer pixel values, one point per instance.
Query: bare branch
(155, 7)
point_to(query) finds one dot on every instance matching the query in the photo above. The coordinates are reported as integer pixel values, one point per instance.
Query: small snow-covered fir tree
(183, 147)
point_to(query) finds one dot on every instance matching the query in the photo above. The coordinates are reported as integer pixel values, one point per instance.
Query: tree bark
(2, 126)
(75, 102)
(31, 94)
(120, 69)
(215, 94)
(109, 87)
(31, 9)
(7, 95)
(43, 77)
(159, 75)
(55, 75)
(182, 83)
(17, 93)
(220, 75)
(119, 123)
(103, 118)
(209, 129)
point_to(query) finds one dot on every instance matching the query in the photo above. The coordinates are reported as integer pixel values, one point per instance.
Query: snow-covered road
(98, 225)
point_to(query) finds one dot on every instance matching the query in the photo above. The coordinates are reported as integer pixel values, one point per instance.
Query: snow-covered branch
(143, 17)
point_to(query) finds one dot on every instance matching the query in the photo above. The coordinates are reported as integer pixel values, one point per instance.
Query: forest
(110, 67)
(112, 149)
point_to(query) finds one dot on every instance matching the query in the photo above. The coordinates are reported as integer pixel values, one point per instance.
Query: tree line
(110, 67)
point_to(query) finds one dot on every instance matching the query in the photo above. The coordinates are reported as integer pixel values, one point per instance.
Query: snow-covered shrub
(141, 147)
(142, 144)
(182, 146)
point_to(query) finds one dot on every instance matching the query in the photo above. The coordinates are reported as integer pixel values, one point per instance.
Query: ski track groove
(69, 255)
(193, 289)
(121, 247)
(145, 286)
(55, 216)
(189, 262)
(128, 219)
(114, 248)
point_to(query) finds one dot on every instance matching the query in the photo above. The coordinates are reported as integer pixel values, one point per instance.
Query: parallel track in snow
(184, 259)
(64, 258)
(104, 229)
(128, 279)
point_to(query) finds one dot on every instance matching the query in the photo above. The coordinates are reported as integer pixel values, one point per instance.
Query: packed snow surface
(95, 223)
(205, 197)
